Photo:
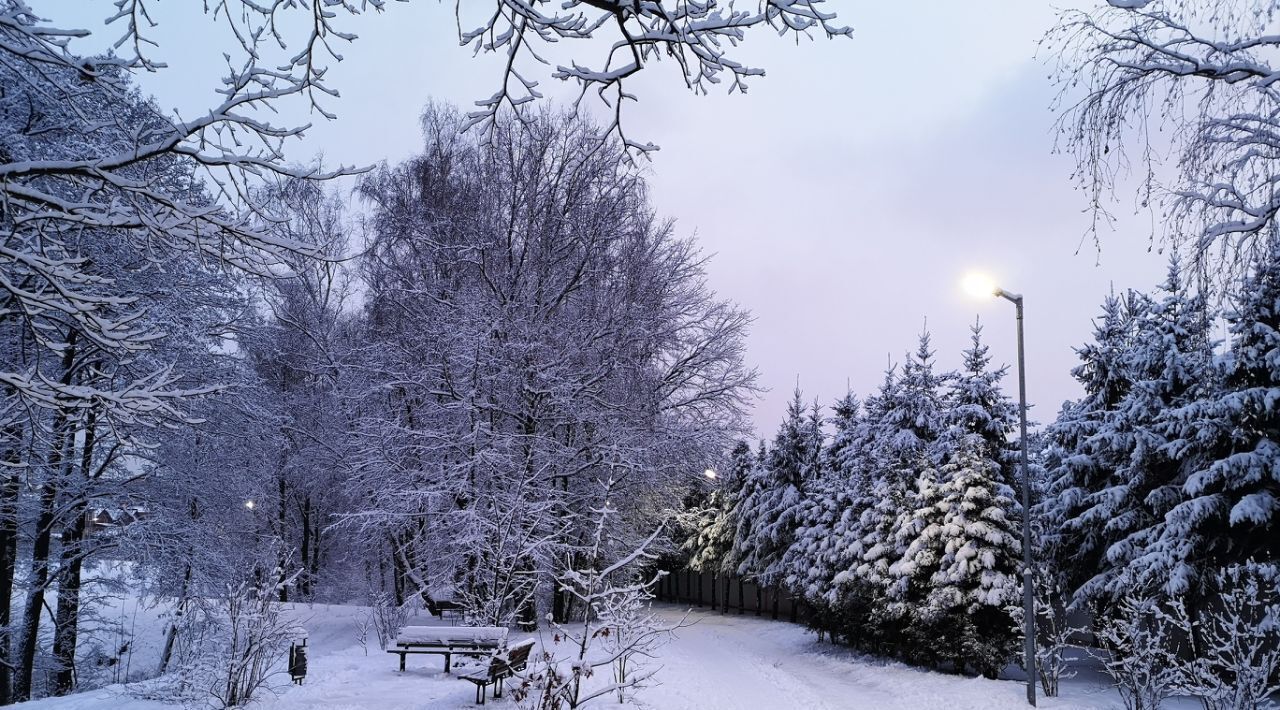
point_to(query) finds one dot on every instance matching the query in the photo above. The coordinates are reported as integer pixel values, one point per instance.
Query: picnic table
(446, 641)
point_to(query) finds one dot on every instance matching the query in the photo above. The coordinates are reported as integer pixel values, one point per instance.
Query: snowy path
(722, 662)
(732, 662)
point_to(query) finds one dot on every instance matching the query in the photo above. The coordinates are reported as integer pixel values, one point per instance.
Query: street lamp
(249, 504)
(978, 285)
(710, 473)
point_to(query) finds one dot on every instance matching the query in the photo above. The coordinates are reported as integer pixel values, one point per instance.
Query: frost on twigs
(1237, 662)
(100, 190)
(1224, 650)
(608, 652)
(1183, 94)
(699, 37)
(1143, 644)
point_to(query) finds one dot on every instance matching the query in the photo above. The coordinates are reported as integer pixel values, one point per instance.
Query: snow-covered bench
(446, 641)
(442, 608)
(503, 665)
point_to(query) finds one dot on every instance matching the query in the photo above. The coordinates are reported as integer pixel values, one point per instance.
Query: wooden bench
(440, 609)
(447, 641)
(503, 665)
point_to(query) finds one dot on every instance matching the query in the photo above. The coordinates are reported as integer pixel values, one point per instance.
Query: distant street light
(249, 504)
(982, 286)
(710, 473)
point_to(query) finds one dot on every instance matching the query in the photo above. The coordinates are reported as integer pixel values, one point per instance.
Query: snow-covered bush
(1144, 644)
(1237, 663)
(387, 617)
(362, 624)
(617, 630)
(1054, 631)
(630, 632)
(251, 649)
(224, 650)
(1226, 651)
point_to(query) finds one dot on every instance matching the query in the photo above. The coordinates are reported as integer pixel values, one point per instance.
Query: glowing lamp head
(710, 473)
(249, 504)
(980, 286)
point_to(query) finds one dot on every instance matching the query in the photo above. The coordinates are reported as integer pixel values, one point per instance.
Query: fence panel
(728, 593)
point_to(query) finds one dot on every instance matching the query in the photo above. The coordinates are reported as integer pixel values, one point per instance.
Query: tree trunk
(304, 580)
(171, 637)
(314, 562)
(10, 486)
(67, 620)
(397, 572)
(39, 578)
(527, 611)
(557, 603)
(281, 520)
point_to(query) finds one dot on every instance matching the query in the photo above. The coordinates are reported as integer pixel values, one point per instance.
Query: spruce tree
(960, 546)
(976, 404)
(812, 559)
(1169, 364)
(1084, 462)
(710, 547)
(771, 509)
(1229, 504)
(977, 577)
(904, 447)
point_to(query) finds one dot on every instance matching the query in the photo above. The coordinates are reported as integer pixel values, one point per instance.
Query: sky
(842, 199)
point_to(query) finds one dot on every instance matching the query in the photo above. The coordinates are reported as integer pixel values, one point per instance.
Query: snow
(445, 634)
(721, 662)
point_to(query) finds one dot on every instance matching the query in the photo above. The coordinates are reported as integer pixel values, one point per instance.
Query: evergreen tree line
(899, 526)
(897, 518)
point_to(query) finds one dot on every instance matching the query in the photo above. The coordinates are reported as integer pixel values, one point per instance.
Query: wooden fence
(728, 593)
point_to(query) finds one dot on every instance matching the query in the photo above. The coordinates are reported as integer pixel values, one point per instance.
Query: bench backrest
(514, 659)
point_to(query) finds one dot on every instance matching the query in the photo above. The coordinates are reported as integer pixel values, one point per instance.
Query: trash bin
(298, 658)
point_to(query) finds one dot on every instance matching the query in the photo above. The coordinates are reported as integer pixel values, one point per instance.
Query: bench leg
(446, 663)
(480, 688)
(402, 662)
(497, 689)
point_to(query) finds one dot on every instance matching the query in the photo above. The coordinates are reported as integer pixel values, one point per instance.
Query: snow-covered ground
(721, 662)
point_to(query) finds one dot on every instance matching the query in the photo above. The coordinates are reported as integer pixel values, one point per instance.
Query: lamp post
(981, 286)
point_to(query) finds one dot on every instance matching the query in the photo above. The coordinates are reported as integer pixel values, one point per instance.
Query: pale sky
(843, 198)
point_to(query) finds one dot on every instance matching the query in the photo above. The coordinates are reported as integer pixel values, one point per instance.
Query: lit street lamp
(710, 473)
(981, 286)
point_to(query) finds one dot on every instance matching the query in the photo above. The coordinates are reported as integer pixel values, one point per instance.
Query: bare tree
(533, 332)
(1185, 91)
(698, 36)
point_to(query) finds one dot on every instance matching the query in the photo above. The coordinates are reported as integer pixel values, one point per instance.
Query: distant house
(104, 519)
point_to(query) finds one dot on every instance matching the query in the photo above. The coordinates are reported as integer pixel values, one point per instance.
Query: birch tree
(1193, 81)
